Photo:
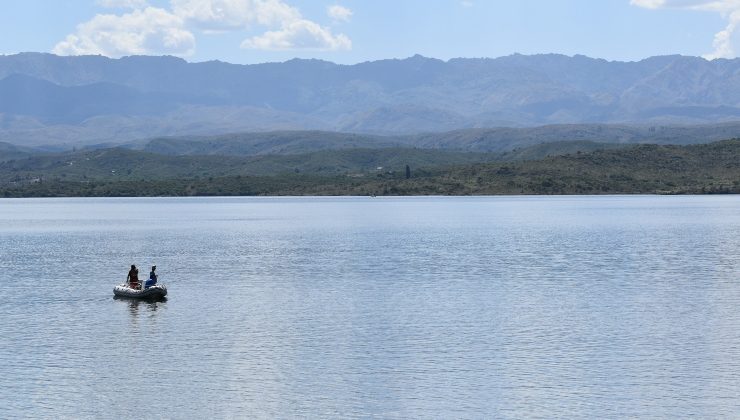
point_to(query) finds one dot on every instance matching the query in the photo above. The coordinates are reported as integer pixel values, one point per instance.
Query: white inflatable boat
(153, 292)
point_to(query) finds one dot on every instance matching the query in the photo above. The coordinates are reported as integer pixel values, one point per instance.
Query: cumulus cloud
(233, 14)
(145, 31)
(291, 30)
(123, 4)
(299, 34)
(729, 9)
(339, 13)
(153, 30)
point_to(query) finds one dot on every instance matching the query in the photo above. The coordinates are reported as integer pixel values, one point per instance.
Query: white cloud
(729, 9)
(648, 4)
(153, 30)
(300, 34)
(123, 4)
(466, 3)
(723, 6)
(146, 31)
(233, 14)
(339, 13)
(290, 30)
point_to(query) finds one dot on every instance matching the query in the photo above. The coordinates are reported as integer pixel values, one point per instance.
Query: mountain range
(71, 101)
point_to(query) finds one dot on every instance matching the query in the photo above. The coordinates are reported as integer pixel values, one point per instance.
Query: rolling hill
(494, 140)
(10, 151)
(640, 169)
(118, 164)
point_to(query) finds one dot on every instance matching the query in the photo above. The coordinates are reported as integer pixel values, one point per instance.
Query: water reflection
(147, 306)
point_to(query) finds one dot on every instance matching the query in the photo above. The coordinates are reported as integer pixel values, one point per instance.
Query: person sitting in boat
(133, 277)
(152, 278)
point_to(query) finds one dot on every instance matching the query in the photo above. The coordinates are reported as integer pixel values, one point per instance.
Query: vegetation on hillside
(128, 165)
(654, 169)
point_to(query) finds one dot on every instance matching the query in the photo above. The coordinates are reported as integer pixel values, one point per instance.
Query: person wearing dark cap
(152, 278)
(133, 277)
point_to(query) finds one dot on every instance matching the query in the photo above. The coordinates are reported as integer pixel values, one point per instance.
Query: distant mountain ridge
(482, 140)
(48, 99)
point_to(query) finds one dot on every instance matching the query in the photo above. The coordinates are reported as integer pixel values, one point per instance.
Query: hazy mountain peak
(152, 96)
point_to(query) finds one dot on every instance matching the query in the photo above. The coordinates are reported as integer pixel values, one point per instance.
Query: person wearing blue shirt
(152, 278)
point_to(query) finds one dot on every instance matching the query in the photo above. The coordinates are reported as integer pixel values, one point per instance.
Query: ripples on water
(571, 307)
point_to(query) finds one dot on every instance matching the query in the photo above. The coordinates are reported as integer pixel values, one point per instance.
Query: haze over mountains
(47, 99)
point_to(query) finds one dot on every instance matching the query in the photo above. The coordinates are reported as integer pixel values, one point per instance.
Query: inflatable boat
(153, 292)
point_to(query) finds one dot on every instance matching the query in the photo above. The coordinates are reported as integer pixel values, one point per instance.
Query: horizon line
(415, 56)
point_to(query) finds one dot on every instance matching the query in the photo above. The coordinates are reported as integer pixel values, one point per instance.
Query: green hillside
(128, 165)
(644, 169)
(544, 150)
(654, 169)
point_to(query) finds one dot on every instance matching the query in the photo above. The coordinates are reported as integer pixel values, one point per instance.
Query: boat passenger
(152, 278)
(133, 277)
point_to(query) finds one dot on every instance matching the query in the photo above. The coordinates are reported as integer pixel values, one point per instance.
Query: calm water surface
(589, 307)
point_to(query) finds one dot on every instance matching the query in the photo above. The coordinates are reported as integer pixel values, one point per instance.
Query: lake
(468, 307)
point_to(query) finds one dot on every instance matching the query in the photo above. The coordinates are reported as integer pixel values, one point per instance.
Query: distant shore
(712, 168)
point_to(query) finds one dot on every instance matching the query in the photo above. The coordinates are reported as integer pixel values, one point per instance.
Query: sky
(352, 31)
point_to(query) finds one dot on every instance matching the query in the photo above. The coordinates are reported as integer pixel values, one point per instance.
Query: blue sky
(351, 31)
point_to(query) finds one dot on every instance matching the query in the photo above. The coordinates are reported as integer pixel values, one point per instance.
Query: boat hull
(154, 292)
